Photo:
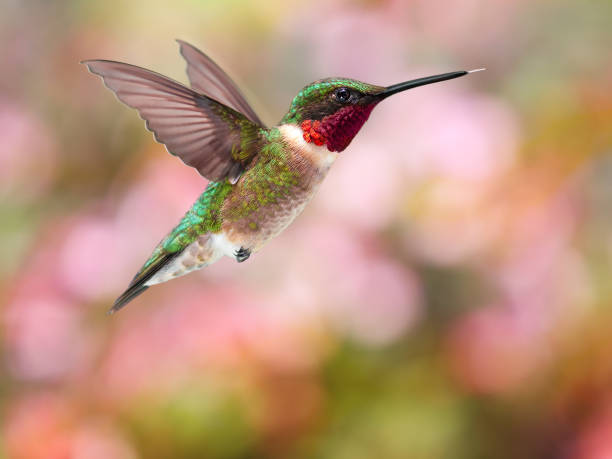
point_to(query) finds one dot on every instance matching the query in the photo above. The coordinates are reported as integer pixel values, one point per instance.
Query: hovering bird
(261, 178)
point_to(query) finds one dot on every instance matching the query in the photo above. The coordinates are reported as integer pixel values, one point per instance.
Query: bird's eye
(342, 95)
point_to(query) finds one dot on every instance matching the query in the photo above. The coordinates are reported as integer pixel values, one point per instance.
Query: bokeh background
(447, 294)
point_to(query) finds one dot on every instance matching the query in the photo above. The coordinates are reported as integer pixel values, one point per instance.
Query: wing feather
(202, 132)
(208, 78)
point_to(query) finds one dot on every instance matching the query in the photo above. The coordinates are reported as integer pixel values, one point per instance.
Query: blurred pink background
(446, 294)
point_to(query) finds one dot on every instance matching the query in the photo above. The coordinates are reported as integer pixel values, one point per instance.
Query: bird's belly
(256, 229)
(281, 217)
(205, 250)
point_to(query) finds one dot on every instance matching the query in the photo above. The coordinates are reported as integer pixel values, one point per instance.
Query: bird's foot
(242, 254)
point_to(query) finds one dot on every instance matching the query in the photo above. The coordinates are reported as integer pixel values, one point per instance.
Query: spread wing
(215, 139)
(208, 78)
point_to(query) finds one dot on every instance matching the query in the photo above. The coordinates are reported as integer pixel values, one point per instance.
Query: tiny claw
(242, 254)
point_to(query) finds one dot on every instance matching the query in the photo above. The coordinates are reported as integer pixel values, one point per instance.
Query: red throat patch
(313, 132)
(338, 129)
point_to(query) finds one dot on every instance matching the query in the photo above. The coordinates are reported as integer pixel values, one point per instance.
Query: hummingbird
(260, 178)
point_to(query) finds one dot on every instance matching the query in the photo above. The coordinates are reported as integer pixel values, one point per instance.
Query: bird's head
(331, 112)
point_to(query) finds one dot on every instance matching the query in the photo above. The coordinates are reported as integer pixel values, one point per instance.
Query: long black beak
(394, 89)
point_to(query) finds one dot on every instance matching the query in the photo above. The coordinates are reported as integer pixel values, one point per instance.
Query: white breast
(318, 154)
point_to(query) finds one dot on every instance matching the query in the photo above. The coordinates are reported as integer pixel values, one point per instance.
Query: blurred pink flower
(451, 222)
(44, 337)
(595, 439)
(215, 328)
(43, 326)
(45, 426)
(90, 261)
(531, 260)
(28, 157)
(495, 350)
(364, 292)
(363, 188)
(462, 30)
(101, 253)
(445, 131)
(537, 244)
(338, 35)
(97, 440)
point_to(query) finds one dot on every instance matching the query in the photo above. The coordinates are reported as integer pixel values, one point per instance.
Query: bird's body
(260, 178)
(262, 203)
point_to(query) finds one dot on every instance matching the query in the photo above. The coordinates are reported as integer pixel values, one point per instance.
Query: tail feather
(126, 297)
(137, 286)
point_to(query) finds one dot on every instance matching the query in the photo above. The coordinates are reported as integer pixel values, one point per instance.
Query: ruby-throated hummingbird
(260, 178)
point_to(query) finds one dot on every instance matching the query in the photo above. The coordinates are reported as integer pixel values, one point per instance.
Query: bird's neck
(316, 154)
